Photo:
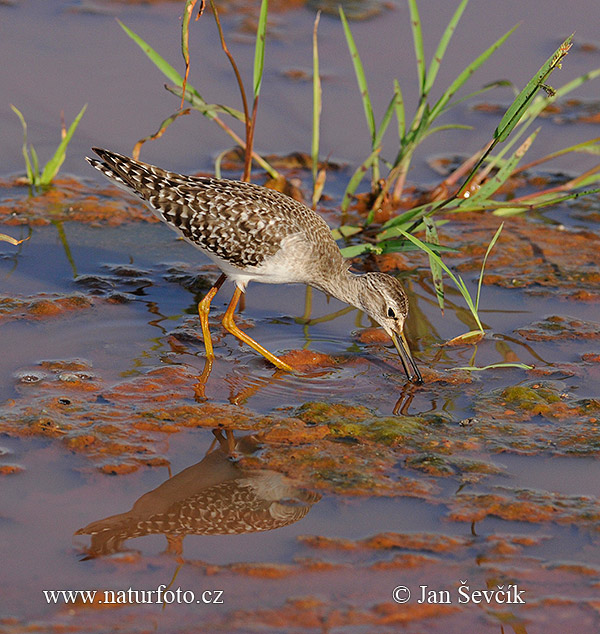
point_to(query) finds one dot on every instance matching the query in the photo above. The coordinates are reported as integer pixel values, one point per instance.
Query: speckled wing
(241, 223)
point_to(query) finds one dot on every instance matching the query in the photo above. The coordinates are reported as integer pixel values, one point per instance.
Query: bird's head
(385, 301)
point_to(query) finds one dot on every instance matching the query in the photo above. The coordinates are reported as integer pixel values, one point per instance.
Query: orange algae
(306, 359)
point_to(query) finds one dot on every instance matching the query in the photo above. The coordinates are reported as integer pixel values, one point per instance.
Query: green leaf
(544, 200)
(486, 88)
(472, 368)
(402, 246)
(438, 56)
(358, 175)
(218, 161)
(389, 111)
(53, 165)
(521, 103)
(35, 165)
(465, 74)
(405, 218)
(417, 33)
(192, 96)
(345, 231)
(209, 110)
(259, 49)
(32, 176)
(356, 250)
(449, 126)
(592, 146)
(490, 247)
(434, 265)
(360, 78)
(541, 103)
(317, 103)
(400, 113)
(487, 190)
(160, 63)
(457, 279)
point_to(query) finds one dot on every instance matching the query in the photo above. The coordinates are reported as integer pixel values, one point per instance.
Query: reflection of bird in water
(216, 496)
(255, 233)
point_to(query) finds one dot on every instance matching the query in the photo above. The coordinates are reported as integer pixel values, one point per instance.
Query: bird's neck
(345, 286)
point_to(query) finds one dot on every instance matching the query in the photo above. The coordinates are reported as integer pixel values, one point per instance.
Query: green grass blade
(575, 83)
(191, 94)
(387, 117)
(490, 247)
(434, 265)
(219, 160)
(434, 66)
(585, 179)
(486, 88)
(400, 112)
(540, 103)
(492, 366)
(356, 250)
(429, 251)
(358, 175)
(209, 110)
(512, 209)
(167, 70)
(521, 103)
(402, 222)
(464, 291)
(449, 126)
(202, 106)
(458, 281)
(53, 165)
(35, 166)
(378, 249)
(360, 78)
(466, 73)
(24, 150)
(345, 231)
(259, 49)
(591, 146)
(317, 102)
(402, 246)
(417, 33)
(489, 188)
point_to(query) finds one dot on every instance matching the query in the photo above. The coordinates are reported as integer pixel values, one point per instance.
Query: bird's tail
(134, 176)
(115, 167)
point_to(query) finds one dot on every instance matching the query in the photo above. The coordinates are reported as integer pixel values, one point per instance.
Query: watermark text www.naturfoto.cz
(161, 595)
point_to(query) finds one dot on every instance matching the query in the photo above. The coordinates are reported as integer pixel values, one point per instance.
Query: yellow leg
(231, 327)
(203, 310)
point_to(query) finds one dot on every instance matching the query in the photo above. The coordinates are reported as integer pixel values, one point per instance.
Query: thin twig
(238, 77)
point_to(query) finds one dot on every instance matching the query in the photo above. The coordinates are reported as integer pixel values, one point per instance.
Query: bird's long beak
(408, 363)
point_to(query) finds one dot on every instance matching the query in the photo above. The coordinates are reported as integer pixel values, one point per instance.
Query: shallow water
(490, 478)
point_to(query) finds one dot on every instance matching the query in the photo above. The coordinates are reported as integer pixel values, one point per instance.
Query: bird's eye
(391, 313)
